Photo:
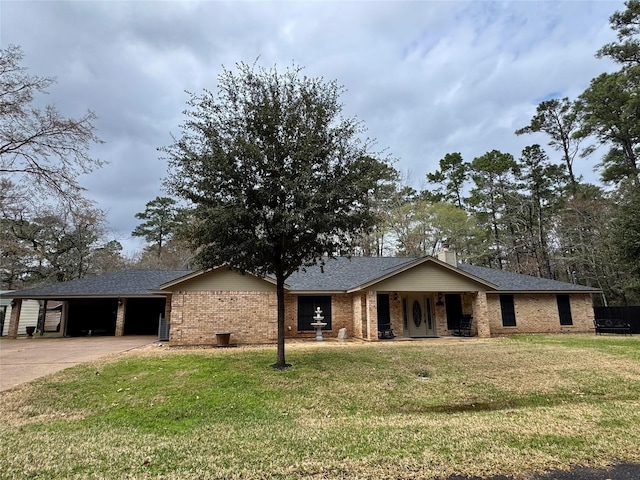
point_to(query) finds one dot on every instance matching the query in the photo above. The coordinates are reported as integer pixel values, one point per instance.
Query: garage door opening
(94, 316)
(142, 316)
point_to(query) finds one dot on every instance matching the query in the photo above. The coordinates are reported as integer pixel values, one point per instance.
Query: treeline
(527, 214)
(516, 211)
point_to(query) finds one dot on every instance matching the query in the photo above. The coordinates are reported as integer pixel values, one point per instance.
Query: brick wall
(341, 317)
(251, 317)
(196, 317)
(539, 314)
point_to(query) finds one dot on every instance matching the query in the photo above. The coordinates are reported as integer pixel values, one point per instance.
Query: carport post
(64, 314)
(15, 318)
(42, 321)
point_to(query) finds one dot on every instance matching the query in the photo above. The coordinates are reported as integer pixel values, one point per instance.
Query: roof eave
(88, 295)
(548, 291)
(317, 292)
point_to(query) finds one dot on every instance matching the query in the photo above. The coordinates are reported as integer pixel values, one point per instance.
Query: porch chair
(385, 331)
(464, 326)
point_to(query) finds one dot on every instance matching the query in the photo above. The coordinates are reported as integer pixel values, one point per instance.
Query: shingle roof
(342, 273)
(336, 275)
(515, 282)
(126, 283)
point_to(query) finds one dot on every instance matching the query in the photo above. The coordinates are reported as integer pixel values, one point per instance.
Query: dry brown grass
(393, 410)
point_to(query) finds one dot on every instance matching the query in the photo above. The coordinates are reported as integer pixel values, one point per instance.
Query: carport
(116, 303)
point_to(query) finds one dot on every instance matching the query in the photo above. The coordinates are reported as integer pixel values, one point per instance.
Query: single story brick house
(368, 296)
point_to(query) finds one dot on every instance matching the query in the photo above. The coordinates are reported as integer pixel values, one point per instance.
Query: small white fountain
(318, 324)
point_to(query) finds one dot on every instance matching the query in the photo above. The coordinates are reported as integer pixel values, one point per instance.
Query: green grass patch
(382, 410)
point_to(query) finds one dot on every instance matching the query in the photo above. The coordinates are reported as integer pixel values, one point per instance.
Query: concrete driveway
(26, 359)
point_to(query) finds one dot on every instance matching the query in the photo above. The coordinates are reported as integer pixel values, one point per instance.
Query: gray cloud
(427, 78)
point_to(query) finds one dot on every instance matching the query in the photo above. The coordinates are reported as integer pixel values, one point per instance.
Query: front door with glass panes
(416, 316)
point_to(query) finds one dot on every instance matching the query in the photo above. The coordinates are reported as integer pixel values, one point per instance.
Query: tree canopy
(278, 177)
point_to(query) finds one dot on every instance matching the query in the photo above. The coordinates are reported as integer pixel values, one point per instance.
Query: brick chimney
(448, 256)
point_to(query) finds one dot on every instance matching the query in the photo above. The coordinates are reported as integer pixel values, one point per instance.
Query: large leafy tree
(56, 244)
(278, 177)
(40, 148)
(626, 240)
(375, 242)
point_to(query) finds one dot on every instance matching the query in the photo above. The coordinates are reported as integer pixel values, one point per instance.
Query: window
(307, 308)
(564, 310)
(508, 311)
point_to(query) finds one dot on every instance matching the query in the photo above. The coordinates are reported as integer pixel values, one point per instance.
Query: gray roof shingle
(336, 275)
(343, 273)
(516, 282)
(113, 284)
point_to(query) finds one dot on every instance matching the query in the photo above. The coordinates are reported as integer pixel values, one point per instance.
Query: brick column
(122, 308)
(15, 318)
(357, 311)
(167, 309)
(481, 315)
(372, 316)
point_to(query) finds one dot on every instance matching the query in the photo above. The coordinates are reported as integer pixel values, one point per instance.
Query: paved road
(622, 471)
(26, 359)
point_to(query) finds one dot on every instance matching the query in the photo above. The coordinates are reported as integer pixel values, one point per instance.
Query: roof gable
(342, 273)
(220, 279)
(429, 274)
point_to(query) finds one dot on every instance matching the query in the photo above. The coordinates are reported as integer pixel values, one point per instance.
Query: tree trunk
(280, 362)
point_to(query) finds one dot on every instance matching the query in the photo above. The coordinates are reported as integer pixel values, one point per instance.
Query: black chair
(464, 326)
(385, 331)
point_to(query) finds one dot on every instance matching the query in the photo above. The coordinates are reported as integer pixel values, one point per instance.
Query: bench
(612, 325)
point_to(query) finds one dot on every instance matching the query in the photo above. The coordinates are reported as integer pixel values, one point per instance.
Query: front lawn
(396, 410)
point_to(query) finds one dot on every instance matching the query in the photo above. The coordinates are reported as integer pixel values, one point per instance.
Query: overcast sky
(427, 78)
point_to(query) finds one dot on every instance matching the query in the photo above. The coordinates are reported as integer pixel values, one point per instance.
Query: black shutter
(564, 310)
(384, 315)
(306, 310)
(508, 311)
(453, 306)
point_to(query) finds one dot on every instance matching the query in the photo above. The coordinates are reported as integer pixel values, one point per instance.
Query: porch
(407, 314)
